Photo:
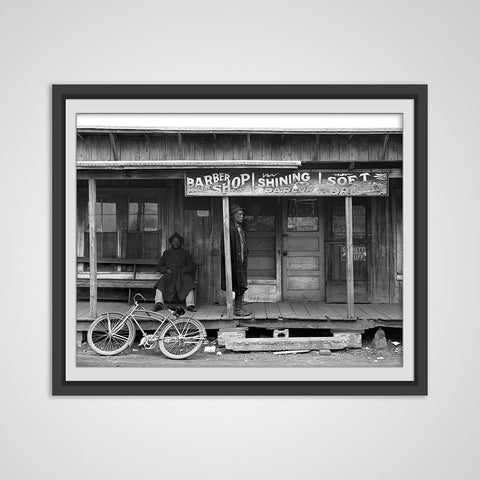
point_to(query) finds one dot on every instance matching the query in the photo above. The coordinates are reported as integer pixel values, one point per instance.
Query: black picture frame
(62, 93)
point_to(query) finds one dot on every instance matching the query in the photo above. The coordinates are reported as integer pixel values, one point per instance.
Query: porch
(269, 315)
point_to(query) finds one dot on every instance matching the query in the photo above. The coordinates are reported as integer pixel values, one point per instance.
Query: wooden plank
(291, 343)
(258, 310)
(340, 309)
(271, 310)
(92, 200)
(83, 310)
(329, 312)
(216, 312)
(286, 311)
(122, 261)
(380, 261)
(360, 312)
(300, 310)
(228, 255)
(381, 311)
(117, 283)
(392, 310)
(316, 311)
(395, 311)
(371, 312)
(349, 260)
(202, 312)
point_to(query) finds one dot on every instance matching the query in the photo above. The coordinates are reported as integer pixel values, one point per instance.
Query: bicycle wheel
(181, 338)
(110, 334)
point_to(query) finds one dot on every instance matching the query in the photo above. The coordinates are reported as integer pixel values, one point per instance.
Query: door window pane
(144, 233)
(302, 215)
(109, 223)
(358, 220)
(259, 214)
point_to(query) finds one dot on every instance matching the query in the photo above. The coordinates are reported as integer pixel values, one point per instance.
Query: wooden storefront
(298, 243)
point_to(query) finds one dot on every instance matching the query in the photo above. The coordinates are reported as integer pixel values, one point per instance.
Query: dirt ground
(392, 356)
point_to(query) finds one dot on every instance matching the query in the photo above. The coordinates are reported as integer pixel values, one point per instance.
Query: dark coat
(180, 280)
(239, 268)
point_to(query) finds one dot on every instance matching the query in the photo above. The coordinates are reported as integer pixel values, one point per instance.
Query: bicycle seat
(177, 311)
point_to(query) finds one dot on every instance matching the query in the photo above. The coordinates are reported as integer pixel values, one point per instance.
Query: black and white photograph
(239, 240)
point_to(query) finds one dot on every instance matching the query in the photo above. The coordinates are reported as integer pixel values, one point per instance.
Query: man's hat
(176, 235)
(235, 208)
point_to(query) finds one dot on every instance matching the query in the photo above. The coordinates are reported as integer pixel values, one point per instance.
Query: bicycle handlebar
(135, 301)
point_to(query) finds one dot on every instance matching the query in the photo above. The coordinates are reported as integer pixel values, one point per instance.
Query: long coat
(239, 267)
(179, 281)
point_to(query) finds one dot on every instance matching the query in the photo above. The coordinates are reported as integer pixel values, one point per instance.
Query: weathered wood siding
(199, 220)
(386, 246)
(307, 148)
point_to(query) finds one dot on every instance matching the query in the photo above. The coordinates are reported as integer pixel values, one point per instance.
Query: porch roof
(175, 164)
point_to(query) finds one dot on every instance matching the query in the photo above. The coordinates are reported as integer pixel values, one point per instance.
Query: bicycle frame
(137, 309)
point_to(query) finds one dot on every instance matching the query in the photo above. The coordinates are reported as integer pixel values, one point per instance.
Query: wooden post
(92, 201)
(278, 247)
(228, 256)
(349, 241)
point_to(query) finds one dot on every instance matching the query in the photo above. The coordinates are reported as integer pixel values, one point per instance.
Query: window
(106, 228)
(302, 215)
(144, 234)
(142, 216)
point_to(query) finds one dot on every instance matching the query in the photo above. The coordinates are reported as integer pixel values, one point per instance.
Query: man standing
(239, 255)
(177, 267)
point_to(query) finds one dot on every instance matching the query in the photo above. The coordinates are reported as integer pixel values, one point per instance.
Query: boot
(239, 311)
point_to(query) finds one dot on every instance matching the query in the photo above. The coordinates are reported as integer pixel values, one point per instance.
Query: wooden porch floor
(282, 314)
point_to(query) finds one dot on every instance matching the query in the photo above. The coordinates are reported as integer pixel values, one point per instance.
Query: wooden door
(303, 263)
(261, 229)
(336, 250)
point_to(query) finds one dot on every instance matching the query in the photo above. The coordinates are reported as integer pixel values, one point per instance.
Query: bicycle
(178, 338)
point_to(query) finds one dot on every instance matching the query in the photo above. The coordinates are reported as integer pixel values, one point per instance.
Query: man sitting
(177, 267)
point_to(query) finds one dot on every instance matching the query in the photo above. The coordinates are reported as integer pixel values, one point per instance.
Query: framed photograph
(239, 240)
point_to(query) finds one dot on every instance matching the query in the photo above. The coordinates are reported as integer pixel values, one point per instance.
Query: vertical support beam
(228, 255)
(92, 201)
(349, 240)
(278, 247)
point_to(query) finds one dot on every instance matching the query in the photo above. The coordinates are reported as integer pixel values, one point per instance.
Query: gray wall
(250, 41)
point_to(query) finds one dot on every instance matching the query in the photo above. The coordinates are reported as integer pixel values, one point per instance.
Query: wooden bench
(124, 280)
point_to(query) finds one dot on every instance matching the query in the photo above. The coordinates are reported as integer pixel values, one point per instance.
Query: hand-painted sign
(359, 253)
(327, 183)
